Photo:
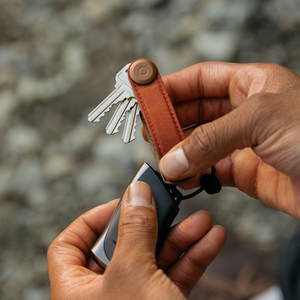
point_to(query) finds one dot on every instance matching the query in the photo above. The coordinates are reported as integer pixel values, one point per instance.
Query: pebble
(58, 165)
(22, 140)
(8, 104)
(218, 46)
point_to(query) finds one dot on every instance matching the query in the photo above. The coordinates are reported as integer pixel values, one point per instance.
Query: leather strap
(158, 115)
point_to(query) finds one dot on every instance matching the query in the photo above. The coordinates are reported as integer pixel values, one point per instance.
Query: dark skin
(248, 126)
(134, 272)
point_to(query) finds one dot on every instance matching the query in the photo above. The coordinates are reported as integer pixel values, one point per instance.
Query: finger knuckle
(203, 138)
(272, 68)
(54, 248)
(263, 108)
(51, 249)
(266, 68)
(262, 105)
(273, 77)
(137, 221)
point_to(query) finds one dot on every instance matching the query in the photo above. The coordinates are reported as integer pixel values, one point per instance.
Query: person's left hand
(133, 272)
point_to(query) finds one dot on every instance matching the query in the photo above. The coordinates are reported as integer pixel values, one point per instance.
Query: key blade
(122, 91)
(119, 115)
(130, 124)
(116, 96)
(124, 95)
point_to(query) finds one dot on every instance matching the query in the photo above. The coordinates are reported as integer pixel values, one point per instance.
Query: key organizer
(164, 132)
(158, 115)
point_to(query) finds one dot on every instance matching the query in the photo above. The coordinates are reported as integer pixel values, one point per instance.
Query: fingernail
(197, 216)
(140, 194)
(174, 164)
(219, 226)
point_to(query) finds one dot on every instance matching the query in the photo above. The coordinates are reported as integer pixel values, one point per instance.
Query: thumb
(138, 226)
(211, 142)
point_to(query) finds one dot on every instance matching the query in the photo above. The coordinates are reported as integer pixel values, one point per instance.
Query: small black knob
(210, 183)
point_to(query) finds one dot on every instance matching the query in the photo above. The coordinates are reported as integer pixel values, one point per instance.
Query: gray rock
(8, 104)
(219, 46)
(58, 165)
(21, 140)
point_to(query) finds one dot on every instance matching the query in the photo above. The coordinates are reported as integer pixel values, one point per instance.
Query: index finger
(208, 79)
(73, 245)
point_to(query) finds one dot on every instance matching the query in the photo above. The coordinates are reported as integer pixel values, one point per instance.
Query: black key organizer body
(167, 199)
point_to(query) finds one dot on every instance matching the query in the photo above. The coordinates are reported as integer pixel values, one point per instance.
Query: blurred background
(58, 60)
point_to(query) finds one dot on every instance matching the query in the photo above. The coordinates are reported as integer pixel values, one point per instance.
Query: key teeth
(116, 130)
(122, 92)
(98, 112)
(132, 137)
(98, 118)
(119, 124)
(134, 128)
(119, 115)
(129, 138)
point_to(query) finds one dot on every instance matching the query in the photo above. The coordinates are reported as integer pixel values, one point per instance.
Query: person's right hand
(249, 117)
(134, 271)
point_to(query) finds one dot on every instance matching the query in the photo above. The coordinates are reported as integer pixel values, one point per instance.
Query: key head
(122, 91)
(122, 78)
(142, 71)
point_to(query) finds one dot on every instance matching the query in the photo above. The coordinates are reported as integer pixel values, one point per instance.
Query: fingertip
(193, 228)
(174, 164)
(138, 222)
(139, 193)
(219, 226)
(219, 234)
(144, 134)
(201, 216)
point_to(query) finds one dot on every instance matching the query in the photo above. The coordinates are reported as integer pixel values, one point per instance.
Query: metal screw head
(142, 71)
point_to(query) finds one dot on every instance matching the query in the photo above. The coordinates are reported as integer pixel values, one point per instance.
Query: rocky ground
(58, 59)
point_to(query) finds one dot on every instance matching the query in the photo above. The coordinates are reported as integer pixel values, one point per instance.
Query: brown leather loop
(158, 115)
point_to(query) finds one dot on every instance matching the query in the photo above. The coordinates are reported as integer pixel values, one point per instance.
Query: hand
(133, 272)
(249, 129)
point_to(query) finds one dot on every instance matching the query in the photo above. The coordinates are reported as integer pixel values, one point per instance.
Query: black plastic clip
(209, 183)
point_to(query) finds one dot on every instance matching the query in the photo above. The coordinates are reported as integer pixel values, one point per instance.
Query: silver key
(123, 95)
(130, 124)
(122, 91)
(119, 115)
